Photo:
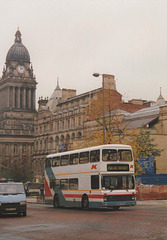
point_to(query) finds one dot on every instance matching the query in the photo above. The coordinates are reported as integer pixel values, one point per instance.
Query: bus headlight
(105, 198)
(133, 197)
(23, 203)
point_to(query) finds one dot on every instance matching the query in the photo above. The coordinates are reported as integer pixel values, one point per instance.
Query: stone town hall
(17, 108)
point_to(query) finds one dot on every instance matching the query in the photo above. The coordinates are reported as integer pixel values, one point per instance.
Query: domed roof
(18, 52)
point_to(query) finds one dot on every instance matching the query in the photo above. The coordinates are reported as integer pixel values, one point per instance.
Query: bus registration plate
(10, 209)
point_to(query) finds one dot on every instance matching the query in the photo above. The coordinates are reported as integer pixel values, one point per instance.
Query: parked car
(12, 198)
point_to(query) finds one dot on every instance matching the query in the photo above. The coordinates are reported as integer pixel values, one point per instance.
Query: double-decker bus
(101, 176)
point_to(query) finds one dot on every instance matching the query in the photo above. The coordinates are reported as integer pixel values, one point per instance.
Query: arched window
(73, 135)
(36, 146)
(62, 139)
(62, 124)
(45, 144)
(16, 152)
(51, 143)
(67, 138)
(79, 121)
(68, 123)
(51, 127)
(79, 134)
(57, 140)
(40, 145)
(24, 149)
(73, 122)
(7, 149)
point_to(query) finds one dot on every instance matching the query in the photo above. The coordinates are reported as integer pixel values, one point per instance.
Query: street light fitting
(96, 74)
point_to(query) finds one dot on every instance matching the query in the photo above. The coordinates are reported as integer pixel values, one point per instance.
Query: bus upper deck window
(64, 160)
(74, 159)
(125, 155)
(95, 156)
(109, 155)
(56, 162)
(84, 157)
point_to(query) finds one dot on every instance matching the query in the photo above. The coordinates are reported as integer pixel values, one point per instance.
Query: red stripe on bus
(80, 196)
(92, 196)
(73, 195)
(96, 196)
(47, 190)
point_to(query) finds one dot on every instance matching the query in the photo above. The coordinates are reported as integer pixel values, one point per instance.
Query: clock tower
(17, 110)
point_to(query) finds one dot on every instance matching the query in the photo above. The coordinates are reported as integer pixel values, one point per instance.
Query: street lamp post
(97, 75)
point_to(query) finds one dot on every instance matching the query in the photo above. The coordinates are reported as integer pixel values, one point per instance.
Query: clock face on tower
(20, 68)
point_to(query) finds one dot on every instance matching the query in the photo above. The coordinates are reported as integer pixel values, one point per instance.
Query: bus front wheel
(85, 202)
(56, 201)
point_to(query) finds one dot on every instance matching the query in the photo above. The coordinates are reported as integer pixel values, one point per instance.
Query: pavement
(34, 199)
(152, 202)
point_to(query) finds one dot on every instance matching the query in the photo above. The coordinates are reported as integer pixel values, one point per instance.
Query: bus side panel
(67, 199)
(74, 198)
(49, 194)
(62, 200)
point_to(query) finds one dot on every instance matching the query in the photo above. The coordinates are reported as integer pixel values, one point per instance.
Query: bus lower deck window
(73, 184)
(64, 184)
(95, 182)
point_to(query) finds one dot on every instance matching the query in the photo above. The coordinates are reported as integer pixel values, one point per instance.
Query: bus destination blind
(117, 167)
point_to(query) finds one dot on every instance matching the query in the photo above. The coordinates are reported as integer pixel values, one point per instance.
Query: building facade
(27, 136)
(62, 122)
(17, 108)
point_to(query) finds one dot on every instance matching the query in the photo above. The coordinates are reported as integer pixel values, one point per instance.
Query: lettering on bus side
(131, 168)
(94, 167)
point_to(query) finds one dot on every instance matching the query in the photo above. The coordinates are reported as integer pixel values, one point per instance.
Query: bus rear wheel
(116, 208)
(85, 202)
(56, 201)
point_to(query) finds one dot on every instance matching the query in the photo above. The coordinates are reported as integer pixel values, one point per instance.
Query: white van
(12, 198)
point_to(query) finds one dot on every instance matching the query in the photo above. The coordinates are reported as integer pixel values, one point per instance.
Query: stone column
(18, 97)
(13, 102)
(0, 101)
(8, 97)
(2, 98)
(29, 100)
(34, 97)
(24, 98)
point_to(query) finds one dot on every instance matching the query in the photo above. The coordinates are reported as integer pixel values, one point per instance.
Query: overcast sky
(72, 39)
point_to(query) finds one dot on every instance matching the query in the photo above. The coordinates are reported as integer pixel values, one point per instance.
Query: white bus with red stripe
(101, 176)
